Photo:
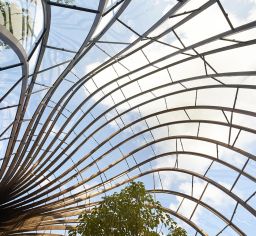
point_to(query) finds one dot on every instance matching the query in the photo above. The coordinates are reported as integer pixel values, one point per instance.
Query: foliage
(132, 212)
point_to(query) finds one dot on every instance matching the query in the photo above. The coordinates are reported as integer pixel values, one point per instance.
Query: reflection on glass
(24, 19)
(7, 55)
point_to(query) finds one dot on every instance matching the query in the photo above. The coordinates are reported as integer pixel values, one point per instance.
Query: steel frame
(48, 175)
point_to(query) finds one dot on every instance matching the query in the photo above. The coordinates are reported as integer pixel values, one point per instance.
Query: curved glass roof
(98, 93)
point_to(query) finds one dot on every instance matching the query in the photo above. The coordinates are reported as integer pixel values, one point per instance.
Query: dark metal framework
(99, 110)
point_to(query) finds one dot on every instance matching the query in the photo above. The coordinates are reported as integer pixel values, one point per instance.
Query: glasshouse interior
(95, 94)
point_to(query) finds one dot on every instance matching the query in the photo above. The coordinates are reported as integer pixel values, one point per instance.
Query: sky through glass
(94, 94)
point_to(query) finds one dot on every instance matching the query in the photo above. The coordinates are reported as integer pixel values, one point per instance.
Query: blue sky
(68, 31)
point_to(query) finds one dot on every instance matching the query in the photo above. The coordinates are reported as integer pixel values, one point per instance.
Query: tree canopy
(132, 212)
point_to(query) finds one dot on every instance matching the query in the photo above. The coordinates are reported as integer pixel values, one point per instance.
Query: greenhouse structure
(97, 93)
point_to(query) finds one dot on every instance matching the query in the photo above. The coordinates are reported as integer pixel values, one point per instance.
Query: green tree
(132, 212)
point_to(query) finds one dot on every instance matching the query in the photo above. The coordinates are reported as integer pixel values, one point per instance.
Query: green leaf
(131, 212)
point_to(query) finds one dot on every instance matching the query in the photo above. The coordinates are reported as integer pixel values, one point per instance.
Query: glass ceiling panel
(98, 93)
(8, 80)
(239, 12)
(146, 12)
(7, 55)
(207, 23)
(69, 32)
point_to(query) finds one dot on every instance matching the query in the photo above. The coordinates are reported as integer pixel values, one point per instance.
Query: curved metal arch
(116, 105)
(212, 158)
(225, 34)
(153, 158)
(129, 180)
(171, 212)
(181, 217)
(72, 63)
(192, 173)
(246, 206)
(165, 111)
(189, 222)
(249, 156)
(205, 205)
(43, 39)
(119, 56)
(242, 28)
(141, 77)
(172, 10)
(185, 121)
(155, 114)
(162, 96)
(10, 40)
(159, 97)
(204, 178)
(29, 160)
(75, 60)
(219, 36)
(168, 210)
(112, 22)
